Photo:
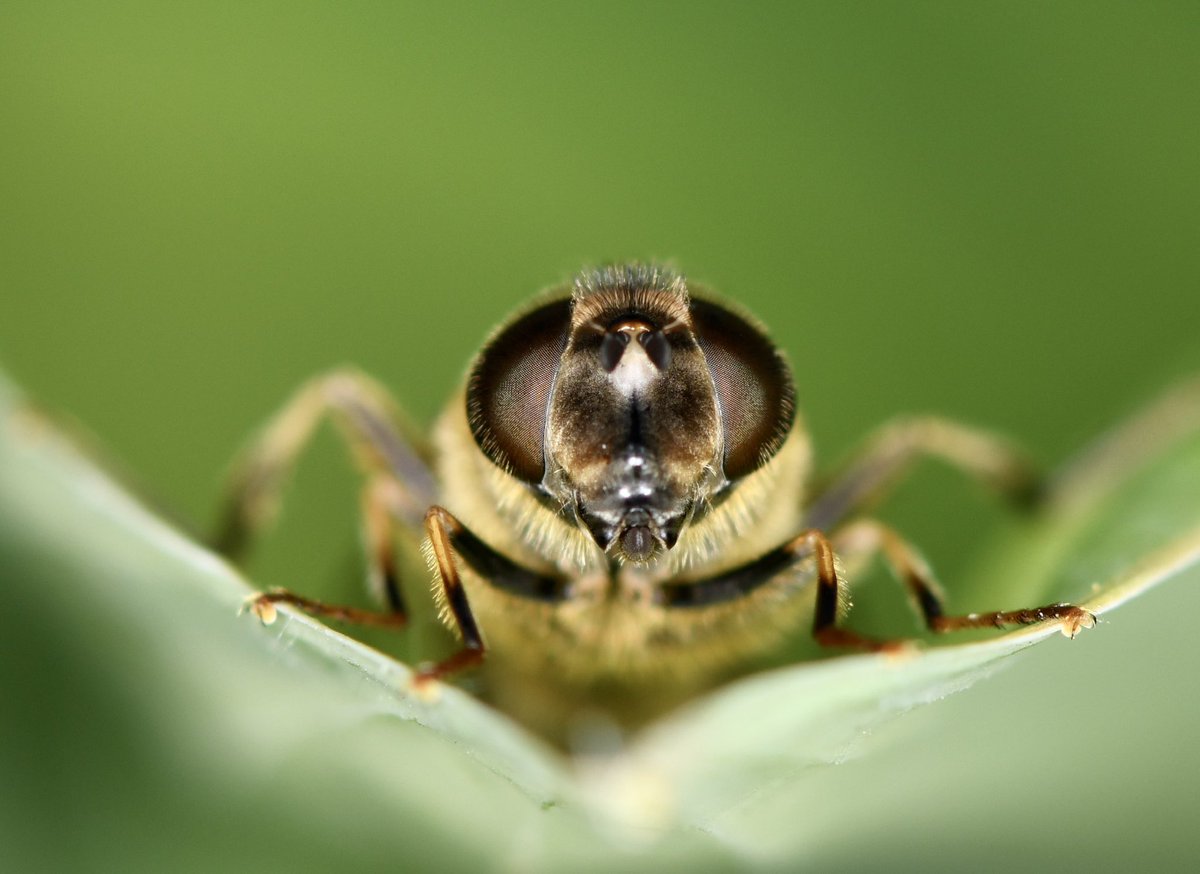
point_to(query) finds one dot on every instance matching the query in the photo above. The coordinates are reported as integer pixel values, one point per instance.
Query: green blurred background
(989, 210)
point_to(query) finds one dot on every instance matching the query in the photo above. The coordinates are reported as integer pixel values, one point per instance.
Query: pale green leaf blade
(279, 739)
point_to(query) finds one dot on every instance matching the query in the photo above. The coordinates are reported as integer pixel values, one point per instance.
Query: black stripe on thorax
(731, 585)
(505, 574)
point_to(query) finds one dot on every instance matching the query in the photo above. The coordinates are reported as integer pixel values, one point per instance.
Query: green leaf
(164, 729)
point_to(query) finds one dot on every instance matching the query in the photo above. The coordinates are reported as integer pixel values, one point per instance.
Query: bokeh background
(988, 210)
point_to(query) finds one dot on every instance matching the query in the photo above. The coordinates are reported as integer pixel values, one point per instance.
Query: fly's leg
(864, 538)
(832, 602)
(370, 423)
(857, 541)
(454, 545)
(382, 505)
(263, 606)
(379, 531)
(446, 534)
(878, 466)
(442, 528)
(741, 582)
(398, 489)
(995, 461)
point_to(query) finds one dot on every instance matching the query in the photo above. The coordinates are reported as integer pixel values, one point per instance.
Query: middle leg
(865, 538)
(379, 533)
(858, 541)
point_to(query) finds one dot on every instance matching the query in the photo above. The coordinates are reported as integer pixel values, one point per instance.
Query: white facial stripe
(635, 370)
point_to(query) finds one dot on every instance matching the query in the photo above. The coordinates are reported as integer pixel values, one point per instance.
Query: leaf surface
(143, 709)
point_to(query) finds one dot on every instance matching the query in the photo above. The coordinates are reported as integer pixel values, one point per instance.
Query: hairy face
(630, 404)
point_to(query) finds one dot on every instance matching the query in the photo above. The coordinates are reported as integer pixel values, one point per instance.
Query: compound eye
(508, 391)
(753, 383)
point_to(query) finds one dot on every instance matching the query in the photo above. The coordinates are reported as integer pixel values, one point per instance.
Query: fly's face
(633, 429)
(630, 406)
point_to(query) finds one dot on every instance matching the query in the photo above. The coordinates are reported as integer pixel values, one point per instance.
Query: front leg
(772, 568)
(442, 529)
(452, 541)
(864, 538)
(857, 541)
(379, 535)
